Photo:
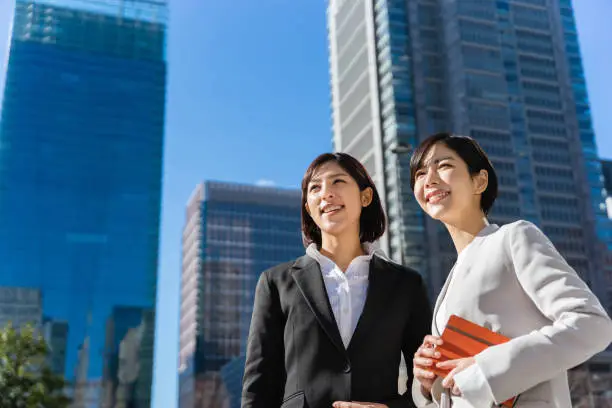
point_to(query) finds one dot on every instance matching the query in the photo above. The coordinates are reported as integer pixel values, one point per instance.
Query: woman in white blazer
(510, 279)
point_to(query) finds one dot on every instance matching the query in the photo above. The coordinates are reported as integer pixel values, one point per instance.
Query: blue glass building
(232, 233)
(232, 374)
(81, 141)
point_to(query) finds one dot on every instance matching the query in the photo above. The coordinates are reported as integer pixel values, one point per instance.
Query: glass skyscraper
(506, 72)
(606, 166)
(81, 140)
(233, 232)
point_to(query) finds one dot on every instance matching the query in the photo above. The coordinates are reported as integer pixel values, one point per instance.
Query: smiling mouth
(331, 209)
(437, 196)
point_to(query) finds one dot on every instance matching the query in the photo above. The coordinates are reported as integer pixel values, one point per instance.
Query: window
(534, 43)
(482, 58)
(491, 87)
(492, 116)
(434, 93)
(530, 17)
(483, 9)
(430, 40)
(479, 33)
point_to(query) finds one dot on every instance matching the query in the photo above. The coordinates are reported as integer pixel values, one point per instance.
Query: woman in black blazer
(328, 329)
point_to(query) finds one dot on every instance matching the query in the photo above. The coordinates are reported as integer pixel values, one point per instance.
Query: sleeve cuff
(474, 386)
(419, 399)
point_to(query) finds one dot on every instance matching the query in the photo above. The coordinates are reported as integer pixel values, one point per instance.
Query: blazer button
(347, 368)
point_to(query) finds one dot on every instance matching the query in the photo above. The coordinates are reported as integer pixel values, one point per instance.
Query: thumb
(449, 379)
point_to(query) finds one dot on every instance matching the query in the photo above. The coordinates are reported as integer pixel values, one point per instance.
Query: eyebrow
(317, 179)
(436, 161)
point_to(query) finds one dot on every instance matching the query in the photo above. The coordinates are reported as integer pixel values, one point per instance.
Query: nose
(327, 190)
(431, 178)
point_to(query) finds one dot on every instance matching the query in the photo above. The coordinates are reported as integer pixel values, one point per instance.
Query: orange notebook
(462, 339)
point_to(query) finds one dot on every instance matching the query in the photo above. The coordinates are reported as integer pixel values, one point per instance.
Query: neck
(464, 231)
(341, 249)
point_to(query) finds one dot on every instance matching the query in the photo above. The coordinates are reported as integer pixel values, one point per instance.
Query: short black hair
(373, 221)
(470, 152)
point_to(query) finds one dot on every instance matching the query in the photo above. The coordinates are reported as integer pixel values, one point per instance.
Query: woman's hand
(356, 404)
(456, 366)
(423, 361)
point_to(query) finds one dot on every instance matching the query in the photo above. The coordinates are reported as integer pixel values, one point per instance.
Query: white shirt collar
(327, 265)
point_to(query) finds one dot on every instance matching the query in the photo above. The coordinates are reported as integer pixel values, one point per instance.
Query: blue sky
(248, 100)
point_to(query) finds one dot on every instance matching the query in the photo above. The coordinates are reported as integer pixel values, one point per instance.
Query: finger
(447, 365)
(427, 352)
(430, 340)
(423, 374)
(423, 362)
(343, 404)
(456, 391)
(449, 381)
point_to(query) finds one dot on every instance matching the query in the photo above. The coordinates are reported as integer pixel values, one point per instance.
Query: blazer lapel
(434, 326)
(472, 247)
(379, 290)
(308, 278)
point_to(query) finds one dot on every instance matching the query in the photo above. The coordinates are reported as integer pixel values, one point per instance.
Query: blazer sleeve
(264, 374)
(579, 326)
(417, 328)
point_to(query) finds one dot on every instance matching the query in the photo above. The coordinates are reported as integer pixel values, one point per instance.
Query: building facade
(20, 307)
(506, 72)
(81, 138)
(606, 167)
(232, 233)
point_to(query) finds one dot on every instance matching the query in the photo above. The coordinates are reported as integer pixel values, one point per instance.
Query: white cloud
(265, 183)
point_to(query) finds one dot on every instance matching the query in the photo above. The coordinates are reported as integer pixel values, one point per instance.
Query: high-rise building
(81, 141)
(232, 233)
(606, 168)
(232, 374)
(20, 307)
(122, 363)
(55, 334)
(506, 72)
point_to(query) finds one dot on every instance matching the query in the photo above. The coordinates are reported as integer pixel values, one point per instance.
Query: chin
(333, 230)
(439, 214)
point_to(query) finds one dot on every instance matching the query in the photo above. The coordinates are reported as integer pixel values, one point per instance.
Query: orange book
(462, 338)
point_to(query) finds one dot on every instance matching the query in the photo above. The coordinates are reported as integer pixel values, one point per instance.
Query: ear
(307, 209)
(366, 196)
(481, 181)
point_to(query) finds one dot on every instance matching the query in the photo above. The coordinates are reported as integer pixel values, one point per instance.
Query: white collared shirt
(346, 291)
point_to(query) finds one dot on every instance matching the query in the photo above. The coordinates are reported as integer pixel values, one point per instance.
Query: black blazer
(295, 356)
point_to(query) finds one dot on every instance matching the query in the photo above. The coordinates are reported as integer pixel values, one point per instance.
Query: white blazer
(513, 281)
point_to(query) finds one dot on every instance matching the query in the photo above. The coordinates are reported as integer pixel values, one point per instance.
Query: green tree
(26, 381)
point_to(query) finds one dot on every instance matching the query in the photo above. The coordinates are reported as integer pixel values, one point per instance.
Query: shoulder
(520, 226)
(525, 236)
(280, 268)
(523, 230)
(280, 271)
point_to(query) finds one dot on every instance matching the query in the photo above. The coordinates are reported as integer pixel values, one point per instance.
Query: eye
(313, 187)
(445, 166)
(419, 173)
(339, 181)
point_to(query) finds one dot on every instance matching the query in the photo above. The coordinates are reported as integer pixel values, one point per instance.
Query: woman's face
(444, 187)
(334, 200)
